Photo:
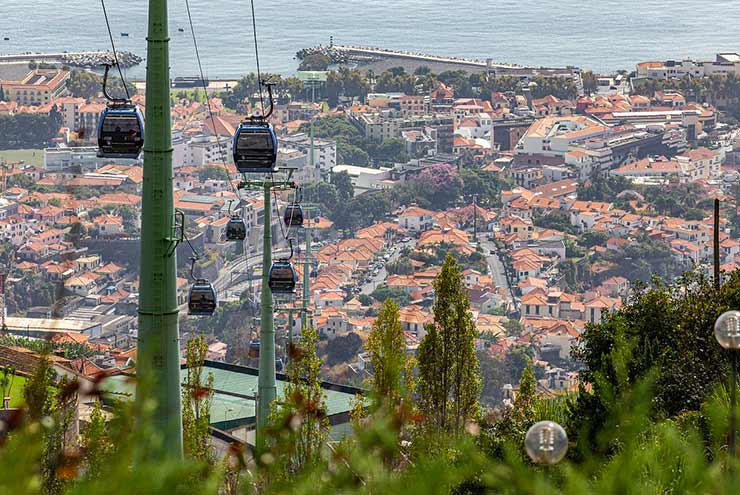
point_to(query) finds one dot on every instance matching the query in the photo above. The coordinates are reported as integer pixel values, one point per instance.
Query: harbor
(82, 59)
(380, 59)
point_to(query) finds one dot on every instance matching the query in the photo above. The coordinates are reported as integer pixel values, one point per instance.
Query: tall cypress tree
(392, 369)
(449, 372)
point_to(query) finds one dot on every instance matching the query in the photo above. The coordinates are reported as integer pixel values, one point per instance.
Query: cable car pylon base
(266, 385)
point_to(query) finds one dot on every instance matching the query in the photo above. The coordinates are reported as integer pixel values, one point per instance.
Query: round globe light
(546, 442)
(727, 330)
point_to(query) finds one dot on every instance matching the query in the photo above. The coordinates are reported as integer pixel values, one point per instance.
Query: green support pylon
(306, 274)
(158, 353)
(267, 390)
(266, 382)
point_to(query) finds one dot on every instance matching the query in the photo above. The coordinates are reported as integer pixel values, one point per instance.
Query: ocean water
(602, 35)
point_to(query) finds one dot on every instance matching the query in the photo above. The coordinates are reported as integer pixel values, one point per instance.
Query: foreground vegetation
(651, 416)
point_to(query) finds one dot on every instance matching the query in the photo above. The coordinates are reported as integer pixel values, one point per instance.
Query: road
(496, 267)
(378, 279)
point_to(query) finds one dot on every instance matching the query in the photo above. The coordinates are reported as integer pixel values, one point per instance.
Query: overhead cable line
(257, 57)
(115, 53)
(221, 150)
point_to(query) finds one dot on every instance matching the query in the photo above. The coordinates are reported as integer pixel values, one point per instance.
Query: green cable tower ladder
(158, 354)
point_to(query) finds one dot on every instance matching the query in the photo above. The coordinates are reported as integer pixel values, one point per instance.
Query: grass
(31, 157)
(16, 393)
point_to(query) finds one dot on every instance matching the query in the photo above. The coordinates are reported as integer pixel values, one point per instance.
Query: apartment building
(39, 87)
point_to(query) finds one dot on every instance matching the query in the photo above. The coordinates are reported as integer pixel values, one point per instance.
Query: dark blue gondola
(120, 126)
(120, 131)
(293, 216)
(202, 299)
(254, 348)
(236, 229)
(255, 143)
(282, 277)
(255, 148)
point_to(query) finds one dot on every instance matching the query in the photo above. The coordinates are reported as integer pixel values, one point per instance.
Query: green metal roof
(230, 411)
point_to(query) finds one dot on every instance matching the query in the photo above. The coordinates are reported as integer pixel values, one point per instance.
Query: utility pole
(475, 217)
(311, 212)
(158, 363)
(266, 381)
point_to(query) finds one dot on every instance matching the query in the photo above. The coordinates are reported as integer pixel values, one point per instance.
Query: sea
(601, 35)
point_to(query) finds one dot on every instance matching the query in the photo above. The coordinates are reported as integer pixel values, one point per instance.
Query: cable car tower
(158, 363)
(267, 388)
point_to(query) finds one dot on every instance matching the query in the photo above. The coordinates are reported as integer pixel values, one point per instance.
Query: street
(496, 266)
(395, 252)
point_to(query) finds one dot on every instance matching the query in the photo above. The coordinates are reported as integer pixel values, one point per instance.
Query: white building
(324, 150)
(85, 157)
(366, 179)
(553, 136)
(416, 219)
(724, 63)
(200, 150)
(701, 163)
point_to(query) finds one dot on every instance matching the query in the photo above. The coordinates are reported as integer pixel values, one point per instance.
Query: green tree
(197, 394)
(392, 150)
(485, 185)
(212, 172)
(397, 294)
(28, 130)
(324, 194)
(343, 182)
(86, 84)
(316, 61)
(666, 330)
(402, 266)
(392, 380)
(38, 390)
(352, 155)
(449, 372)
(97, 442)
(303, 407)
(363, 210)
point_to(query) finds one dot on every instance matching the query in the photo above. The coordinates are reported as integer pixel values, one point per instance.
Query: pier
(378, 59)
(85, 59)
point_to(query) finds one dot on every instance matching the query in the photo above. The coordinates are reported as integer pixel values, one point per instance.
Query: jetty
(86, 59)
(381, 58)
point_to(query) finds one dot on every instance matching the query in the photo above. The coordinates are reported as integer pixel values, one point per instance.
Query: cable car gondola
(120, 132)
(293, 216)
(202, 298)
(120, 127)
(255, 148)
(255, 144)
(236, 229)
(282, 277)
(254, 348)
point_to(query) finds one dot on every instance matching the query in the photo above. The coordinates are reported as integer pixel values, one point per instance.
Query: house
(615, 286)
(329, 299)
(701, 163)
(416, 219)
(108, 224)
(597, 308)
(83, 284)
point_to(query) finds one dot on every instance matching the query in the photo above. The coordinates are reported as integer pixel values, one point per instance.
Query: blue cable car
(255, 148)
(202, 299)
(293, 216)
(282, 277)
(120, 131)
(236, 229)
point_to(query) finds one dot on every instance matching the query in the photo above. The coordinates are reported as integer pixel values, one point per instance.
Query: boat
(124, 35)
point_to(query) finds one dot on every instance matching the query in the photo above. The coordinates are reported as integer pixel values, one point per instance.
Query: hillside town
(558, 196)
